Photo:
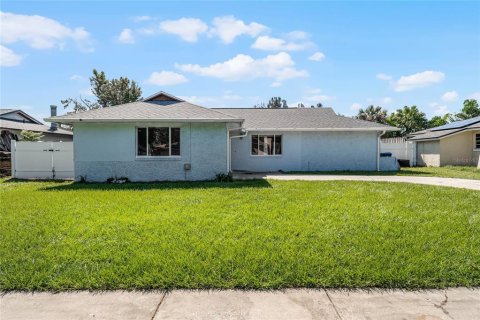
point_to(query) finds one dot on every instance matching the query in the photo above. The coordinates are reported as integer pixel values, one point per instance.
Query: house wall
(102, 151)
(459, 149)
(455, 150)
(428, 153)
(310, 151)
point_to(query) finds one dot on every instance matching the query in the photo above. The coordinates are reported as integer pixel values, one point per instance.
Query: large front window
(477, 141)
(266, 145)
(158, 142)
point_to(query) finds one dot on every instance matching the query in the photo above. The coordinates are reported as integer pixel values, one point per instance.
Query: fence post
(12, 158)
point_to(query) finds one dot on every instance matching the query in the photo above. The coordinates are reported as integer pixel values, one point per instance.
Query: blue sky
(344, 54)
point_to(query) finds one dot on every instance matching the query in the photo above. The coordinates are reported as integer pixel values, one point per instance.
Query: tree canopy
(374, 114)
(28, 135)
(438, 121)
(107, 93)
(408, 119)
(273, 103)
(470, 110)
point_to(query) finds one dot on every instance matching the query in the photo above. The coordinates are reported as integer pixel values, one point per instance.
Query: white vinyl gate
(42, 160)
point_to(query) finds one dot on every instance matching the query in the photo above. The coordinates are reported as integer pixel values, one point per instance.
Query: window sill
(146, 158)
(476, 150)
(267, 156)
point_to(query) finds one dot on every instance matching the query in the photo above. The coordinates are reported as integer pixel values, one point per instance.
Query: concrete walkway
(292, 304)
(434, 181)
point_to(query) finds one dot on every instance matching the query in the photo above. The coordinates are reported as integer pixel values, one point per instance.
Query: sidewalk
(291, 304)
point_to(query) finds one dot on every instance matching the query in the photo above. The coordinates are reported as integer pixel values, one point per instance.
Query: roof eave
(323, 129)
(78, 120)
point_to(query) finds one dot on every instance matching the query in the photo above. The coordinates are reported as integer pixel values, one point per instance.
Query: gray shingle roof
(437, 132)
(16, 125)
(148, 111)
(300, 118)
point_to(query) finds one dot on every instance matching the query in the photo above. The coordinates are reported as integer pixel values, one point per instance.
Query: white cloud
(126, 36)
(318, 98)
(276, 84)
(356, 106)
(40, 32)
(141, 18)
(384, 77)
(386, 100)
(475, 95)
(166, 78)
(450, 96)
(297, 35)
(279, 66)
(8, 58)
(227, 28)
(76, 77)
(441, 110)
(317, 56)
(186, 28)
(227, 99)
(418, 80)
(276, 44)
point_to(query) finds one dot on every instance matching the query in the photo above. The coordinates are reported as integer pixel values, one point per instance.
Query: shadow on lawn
(160, 185)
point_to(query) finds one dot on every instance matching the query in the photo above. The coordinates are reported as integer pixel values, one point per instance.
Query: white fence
(42, 160)
(400, 149)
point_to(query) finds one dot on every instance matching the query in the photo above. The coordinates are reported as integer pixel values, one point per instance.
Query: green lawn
(245, 234)
(445, 172)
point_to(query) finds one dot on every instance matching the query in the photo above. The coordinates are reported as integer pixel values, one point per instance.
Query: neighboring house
(166, 138)
(13, 121)
(456, 143)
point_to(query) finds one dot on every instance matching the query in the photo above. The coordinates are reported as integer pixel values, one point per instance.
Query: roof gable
(162, 96)
(17, 115)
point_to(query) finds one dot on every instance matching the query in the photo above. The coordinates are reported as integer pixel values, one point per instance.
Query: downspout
(378, 150)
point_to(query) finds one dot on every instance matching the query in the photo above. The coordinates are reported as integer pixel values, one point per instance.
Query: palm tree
(409, 119)
(374, 114)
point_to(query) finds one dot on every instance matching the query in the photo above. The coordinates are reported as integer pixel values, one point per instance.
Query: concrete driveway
(292, 304)
(434, 181)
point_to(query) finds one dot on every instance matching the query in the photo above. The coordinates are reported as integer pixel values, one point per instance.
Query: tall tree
(408, 119)
(273, 103)
(107, 92)
(438, 121)
(374, 114)
(318, 105)
(470, 110)
(277, 103)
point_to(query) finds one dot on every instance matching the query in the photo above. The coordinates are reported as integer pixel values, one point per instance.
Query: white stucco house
(166, 138)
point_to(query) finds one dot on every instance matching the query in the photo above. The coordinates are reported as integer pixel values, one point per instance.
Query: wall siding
(310, 151)
(103, 151)
(458, 149)
(428, 153)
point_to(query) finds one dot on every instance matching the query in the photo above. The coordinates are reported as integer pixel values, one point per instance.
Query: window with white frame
(477, 141)
(266, 145)
(158, 142)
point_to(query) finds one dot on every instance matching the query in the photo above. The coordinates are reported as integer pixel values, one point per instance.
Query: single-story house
(456, 143)
(166, 138)
(14, 121)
